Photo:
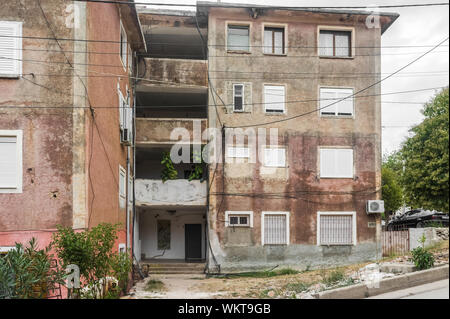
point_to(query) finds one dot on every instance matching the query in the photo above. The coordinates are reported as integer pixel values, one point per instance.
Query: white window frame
(123, 55)
(263, 214)
(242, 96)
(336, 28)
(335, 148)
(231, 152)
(17, 60)
(122, 187)
(278, 164)
(280, 26)
(122, 248)
(239, 24)
(265, 102)
(354, 234)
(248, 214)
(18, 134)
(336, 105)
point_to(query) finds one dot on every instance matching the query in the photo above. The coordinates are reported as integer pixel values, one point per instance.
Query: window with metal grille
(275, 229)
(336, 229)
(335, 43)
(238, 97)
(239, 221)
(273, 40)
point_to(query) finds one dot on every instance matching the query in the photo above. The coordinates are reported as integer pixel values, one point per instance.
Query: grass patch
(297, 286)
(264, 274)
(154, 285)
(334, 277)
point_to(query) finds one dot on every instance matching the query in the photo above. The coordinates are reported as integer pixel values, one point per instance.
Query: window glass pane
(325, 43)
(342, 42)
(267, 41)
(238, 90)
(279, 42)
(243, 220)
(163, 232)
(233, 220)
(238, 38)
(238, 103)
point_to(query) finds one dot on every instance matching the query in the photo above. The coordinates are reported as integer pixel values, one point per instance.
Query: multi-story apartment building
(66, 105)
(297, 197)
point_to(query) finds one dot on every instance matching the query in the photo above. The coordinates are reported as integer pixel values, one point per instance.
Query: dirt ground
(282, 286)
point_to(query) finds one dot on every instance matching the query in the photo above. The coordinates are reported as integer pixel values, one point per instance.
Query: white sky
(415, 26)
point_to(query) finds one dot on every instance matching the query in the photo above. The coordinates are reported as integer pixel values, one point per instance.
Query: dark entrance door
(193, 241)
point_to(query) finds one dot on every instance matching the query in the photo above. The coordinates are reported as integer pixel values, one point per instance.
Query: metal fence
(395, 241)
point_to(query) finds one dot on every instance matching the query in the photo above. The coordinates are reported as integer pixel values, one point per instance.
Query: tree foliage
(391, 190)
(426, 158)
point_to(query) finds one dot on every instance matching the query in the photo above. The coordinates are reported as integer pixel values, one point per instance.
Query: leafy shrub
(92, 251)
(422, 258)
(169, 171)
(297, 286)
(26, 272)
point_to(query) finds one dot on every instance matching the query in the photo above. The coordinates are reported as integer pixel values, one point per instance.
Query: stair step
(168, 272)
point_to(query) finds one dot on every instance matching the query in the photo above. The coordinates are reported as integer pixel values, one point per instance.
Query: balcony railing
(177, 192)
(158, 131)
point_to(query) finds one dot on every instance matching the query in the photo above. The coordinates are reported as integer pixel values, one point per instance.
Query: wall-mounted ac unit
(375, 206)
(125, 136)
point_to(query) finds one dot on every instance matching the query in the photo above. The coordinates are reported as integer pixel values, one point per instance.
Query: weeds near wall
(421, 257)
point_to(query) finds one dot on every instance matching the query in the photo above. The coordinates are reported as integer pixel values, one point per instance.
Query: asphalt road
(435, 290)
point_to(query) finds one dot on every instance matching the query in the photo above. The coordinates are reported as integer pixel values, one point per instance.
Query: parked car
(418, 218)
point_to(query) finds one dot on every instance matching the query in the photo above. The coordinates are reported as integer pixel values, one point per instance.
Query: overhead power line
(268, 7)
(206, 105)
(350, 96)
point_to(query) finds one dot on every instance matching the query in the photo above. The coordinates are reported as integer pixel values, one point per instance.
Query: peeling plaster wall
(46, 199)
(301, 137)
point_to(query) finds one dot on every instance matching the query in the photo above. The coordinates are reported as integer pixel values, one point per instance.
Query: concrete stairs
(172, 268)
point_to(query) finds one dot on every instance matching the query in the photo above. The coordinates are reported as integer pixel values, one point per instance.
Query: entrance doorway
(193, 242)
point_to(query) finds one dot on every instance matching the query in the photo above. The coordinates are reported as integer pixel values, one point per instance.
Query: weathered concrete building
(66, 106)
(298, 199)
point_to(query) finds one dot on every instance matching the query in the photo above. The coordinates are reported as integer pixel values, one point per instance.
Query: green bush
(422, 258)
(334, 277)
(26, 272)
(92, 251)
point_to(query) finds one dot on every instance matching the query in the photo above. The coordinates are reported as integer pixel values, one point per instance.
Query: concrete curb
(360, 291)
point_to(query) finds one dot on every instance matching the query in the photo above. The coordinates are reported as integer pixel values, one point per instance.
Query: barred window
(336, 229)
(276, 229)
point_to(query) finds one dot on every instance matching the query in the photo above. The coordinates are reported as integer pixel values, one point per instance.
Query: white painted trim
(238, 213)
(5, 249)
(336, 116)
(18, 134)
(122, 247)
(335, 28)
(287, 214)
(353, 214)
(335, 147)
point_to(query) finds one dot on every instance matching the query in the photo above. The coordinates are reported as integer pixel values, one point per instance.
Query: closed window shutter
(242, 152)
(345, 107)
(275, 157)
(274, 98)
(336, 163)
(344, 163)
(327, 97)
(238, 38)
(275, 229)
(336, 229)
(9, 165)
(10, 48)
(121, 110)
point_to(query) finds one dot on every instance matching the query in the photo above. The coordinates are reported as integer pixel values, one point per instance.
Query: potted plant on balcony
(169, 171)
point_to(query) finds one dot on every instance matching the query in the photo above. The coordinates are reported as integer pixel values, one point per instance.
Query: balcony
(174, 75)
(156, 131)
(175, 193)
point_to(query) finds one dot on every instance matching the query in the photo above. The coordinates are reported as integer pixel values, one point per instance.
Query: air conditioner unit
(125, 136)
(375, 206)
